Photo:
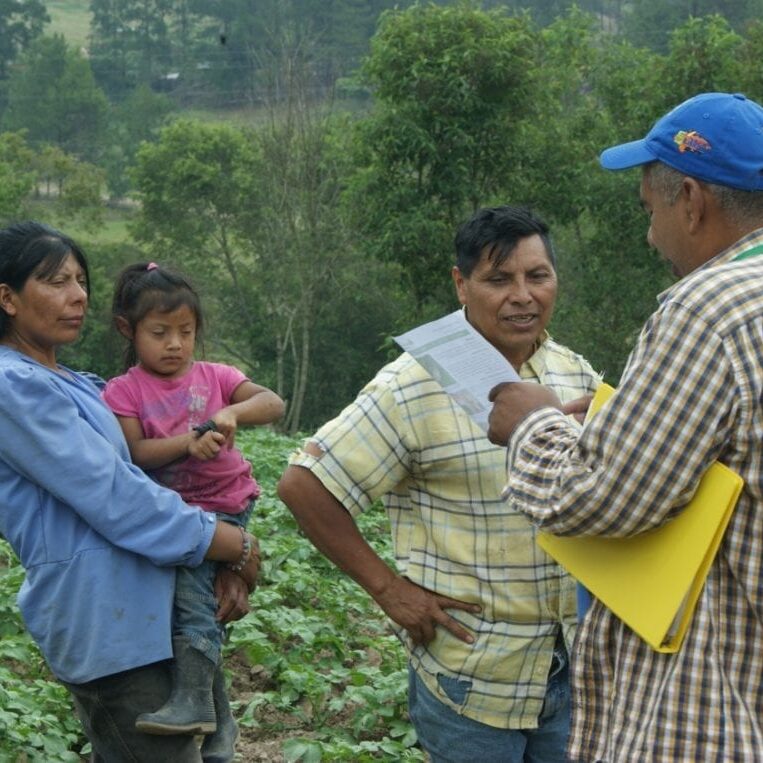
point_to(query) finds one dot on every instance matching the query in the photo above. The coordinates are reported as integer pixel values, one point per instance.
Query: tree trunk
(300, 378)
(280, 391)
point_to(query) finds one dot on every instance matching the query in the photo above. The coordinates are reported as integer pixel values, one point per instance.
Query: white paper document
(461, 360)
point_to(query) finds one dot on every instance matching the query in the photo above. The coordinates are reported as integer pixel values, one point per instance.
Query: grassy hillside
(71, 18)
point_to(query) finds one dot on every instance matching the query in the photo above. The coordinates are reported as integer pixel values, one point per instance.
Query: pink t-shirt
(169, 407)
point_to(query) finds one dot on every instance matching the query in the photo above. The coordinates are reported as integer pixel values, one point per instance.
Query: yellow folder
(652, 581)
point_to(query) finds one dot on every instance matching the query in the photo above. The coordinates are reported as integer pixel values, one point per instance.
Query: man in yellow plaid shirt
(485, 615)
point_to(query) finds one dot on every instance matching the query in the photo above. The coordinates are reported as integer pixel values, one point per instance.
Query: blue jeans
(452, 738)
(108, 707)
(193, 614)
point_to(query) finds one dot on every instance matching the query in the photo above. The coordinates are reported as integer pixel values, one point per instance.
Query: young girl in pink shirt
(180, 416)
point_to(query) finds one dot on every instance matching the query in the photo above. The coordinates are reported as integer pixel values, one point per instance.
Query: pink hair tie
(151, 266)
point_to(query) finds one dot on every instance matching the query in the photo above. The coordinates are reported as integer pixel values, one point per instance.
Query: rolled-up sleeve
(365, 449)
(638, 462)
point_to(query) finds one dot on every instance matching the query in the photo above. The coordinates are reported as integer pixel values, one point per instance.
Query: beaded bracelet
(246, 541)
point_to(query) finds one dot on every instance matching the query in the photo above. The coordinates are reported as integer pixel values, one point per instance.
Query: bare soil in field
(262, 744)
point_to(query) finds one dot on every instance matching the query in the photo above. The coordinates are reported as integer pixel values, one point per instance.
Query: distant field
(70, 18)
(112, 230)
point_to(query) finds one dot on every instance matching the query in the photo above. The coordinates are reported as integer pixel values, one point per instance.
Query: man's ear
(7, 301)
(458, 280)
(123, 327)
(694, 197)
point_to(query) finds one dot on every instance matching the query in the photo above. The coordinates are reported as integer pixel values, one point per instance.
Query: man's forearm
(332, 530)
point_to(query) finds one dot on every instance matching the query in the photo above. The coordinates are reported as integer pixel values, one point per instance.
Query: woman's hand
(233, 587)
(232, 596)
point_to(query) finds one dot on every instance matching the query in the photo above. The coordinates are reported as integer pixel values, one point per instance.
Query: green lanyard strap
(748, 253)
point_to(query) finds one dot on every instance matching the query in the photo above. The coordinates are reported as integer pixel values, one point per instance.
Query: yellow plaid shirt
(691, 394)
(406, 441)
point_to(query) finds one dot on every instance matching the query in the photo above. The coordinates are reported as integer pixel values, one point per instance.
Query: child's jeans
(193, 614)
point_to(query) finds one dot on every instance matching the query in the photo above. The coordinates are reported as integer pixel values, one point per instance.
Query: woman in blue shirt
(98, 539)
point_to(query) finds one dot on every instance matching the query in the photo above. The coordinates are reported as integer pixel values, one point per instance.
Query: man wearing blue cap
(692, 393)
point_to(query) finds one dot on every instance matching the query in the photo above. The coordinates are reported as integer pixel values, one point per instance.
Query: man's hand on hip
(420, 611)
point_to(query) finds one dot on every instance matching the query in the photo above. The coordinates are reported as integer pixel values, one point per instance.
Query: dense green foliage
(20, 22)
(451, 87)
(36, 722)
(316, 231)
(217, 53)
(331, 679)
(52, 94)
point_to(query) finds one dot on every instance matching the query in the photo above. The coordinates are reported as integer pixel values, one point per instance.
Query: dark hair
(145, 286)
(499, 229)
(34, 249)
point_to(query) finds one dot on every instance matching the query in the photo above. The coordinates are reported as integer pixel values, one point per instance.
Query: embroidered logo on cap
(691, 141)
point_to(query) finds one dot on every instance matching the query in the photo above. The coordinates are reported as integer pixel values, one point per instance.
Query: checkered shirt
(692, 393)
(406, 441)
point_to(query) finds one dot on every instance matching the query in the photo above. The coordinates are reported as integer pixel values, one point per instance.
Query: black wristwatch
(207, 426)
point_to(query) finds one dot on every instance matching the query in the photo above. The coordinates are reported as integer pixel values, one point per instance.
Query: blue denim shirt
(98, 539)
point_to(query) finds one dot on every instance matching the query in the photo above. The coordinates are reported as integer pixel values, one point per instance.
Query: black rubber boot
(220, 747)
(190, 708)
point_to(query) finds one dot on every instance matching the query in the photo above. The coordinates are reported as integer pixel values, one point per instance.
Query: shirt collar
(746, 242)
(538, 360)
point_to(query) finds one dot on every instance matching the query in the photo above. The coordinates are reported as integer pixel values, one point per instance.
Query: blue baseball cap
(715, 137)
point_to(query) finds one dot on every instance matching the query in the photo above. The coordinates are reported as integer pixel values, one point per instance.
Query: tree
(200, 191)
(198, 185)
(542, 11)
(73, 188)
(341, 30)
(594, 90)
(751, 77)
(20, 22)
(309, 250)
(134, 120)
(130, 43)
(52, 94)
(241, 40)
(16, 180)
(257, 217)
(649, 23)
(215, 52)
(306, 250)
(703, 57)
(451, 85)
